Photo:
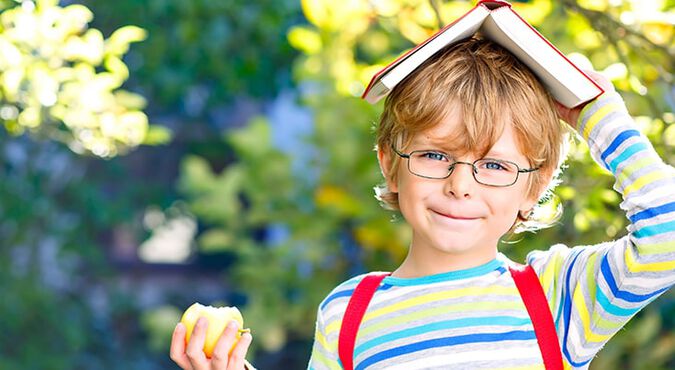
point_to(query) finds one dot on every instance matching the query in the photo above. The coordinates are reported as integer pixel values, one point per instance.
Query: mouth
(454, 217)
(454, 222)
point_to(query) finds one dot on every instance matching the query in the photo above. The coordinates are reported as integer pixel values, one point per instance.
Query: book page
(569, 86)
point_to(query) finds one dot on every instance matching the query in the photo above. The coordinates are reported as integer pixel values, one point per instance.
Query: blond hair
(489, 84)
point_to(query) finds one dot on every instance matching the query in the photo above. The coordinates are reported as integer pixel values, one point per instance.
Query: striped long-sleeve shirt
(475, 318)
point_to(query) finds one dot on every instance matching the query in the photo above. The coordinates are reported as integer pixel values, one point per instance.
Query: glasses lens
(429, 164)
(496, 172)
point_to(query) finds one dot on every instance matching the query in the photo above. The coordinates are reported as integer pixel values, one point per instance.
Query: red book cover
(490, 6)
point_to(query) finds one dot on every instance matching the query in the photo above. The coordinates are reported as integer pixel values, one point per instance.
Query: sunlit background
(161, 152)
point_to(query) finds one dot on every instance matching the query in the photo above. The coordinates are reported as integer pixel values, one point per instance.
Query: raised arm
(594, 290)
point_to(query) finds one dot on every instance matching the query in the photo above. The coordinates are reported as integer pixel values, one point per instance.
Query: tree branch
(597, 18)
(437, 12)
(638, 42)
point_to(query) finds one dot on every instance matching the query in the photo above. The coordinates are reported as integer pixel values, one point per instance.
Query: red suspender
(535, 301)
(356, 307)
(527, 283)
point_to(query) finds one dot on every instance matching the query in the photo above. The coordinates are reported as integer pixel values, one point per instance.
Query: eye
(496, 165)
(433, 156)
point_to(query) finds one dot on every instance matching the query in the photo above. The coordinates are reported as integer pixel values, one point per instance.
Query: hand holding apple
(218, 318)
(210, 338)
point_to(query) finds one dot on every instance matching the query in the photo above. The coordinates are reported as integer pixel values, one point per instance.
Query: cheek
(506, 207)
(413, 190)
(504, 214)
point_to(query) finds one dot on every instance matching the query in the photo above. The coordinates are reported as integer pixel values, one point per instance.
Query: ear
(384, 158)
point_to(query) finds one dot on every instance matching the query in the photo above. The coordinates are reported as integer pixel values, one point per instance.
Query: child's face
(458, 217)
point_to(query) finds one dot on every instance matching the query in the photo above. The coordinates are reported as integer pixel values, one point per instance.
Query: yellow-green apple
(218, 318)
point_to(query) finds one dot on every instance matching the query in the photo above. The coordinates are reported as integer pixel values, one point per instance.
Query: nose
(461, 181)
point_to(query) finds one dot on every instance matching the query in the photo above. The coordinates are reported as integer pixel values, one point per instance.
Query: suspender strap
(526, 281)
(351, 321)
(535, 301)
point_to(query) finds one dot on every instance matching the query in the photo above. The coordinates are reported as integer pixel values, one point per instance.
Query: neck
(424, 262)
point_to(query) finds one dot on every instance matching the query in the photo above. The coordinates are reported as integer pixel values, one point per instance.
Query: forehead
(455, 134)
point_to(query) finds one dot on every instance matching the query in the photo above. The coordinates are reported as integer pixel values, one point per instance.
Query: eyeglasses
(487, 171)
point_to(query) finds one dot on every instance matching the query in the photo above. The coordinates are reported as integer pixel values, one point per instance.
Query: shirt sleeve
(594, 290)
(324, 352)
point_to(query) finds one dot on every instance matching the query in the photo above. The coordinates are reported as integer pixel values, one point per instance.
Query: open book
(497, 21)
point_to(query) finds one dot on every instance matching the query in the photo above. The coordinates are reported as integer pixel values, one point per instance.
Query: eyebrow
(497, 153)
(440, 145)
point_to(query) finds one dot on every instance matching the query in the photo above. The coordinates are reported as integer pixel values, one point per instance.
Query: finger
(238, 355)
(177, 352)
(221, 351)
(601, 80)
(195, 348)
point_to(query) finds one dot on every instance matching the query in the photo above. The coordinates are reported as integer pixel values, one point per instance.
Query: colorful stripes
(443, 325)
(660, 266)
(624, 294)
(424, 313)
(653, 212)
(341, 294)
(596, 117)
(446, 342)
(616, 143)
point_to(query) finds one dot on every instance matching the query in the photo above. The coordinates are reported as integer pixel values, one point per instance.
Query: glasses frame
(451, 168)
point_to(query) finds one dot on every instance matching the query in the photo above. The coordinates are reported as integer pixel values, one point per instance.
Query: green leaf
(197, 175)
(115, 66)
(305, 39)
(118, 43)
(157, 135)
(129, 100)
(669, 135)
(253, 140)
(216, 240)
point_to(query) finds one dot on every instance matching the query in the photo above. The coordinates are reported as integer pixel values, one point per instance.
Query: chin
(455, 247)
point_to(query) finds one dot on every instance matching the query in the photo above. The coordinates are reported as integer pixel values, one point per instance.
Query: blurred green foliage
(343, 231)
(296, 223)
(66, 306)
(201, 55)
(61, 309)
(60, 79)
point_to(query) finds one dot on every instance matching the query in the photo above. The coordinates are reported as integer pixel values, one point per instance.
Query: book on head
(497, 21)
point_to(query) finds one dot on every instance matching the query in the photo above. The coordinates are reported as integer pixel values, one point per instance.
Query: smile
(457, 221)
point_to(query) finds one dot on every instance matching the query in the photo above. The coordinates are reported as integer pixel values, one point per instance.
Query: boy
(468, 144)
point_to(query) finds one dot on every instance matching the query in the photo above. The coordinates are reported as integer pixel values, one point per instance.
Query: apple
(218, 318)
